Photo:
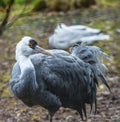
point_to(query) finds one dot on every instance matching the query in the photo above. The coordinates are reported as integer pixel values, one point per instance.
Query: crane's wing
(67, 77)
(94, 56)
(62, 72)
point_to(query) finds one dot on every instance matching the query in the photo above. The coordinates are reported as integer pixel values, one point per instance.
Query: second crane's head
(28, 46)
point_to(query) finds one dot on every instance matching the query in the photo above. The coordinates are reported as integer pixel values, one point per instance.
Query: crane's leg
(51, 116)
(50, 102)
(81, 114)
(50, 119)
(84, 111)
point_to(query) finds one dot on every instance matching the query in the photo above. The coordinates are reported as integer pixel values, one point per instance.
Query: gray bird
(53, 79)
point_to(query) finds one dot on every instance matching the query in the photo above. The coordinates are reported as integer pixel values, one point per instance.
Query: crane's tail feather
(104, 81)
(100, 75)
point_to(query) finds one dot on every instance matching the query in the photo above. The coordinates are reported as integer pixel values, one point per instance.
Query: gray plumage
(92, 55)
(53, 79)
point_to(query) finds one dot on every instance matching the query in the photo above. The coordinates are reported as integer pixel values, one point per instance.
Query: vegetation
(110, 2)
(37, 5)
(6, 22)
(62, 5)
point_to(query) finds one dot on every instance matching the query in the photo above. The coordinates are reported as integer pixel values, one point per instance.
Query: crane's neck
(25, 64)
(23, 80)
(23, 60)
(28, 75)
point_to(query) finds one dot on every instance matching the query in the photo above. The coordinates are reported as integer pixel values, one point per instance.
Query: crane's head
(28, 46)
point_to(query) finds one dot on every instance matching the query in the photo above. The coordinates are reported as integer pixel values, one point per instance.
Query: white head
(28, 46)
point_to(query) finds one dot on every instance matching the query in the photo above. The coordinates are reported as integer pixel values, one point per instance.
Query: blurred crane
(54, 78)
(66, 36)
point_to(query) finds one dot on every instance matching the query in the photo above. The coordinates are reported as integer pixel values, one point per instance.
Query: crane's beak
(43, 51)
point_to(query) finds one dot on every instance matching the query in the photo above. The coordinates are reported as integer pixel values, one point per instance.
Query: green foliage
(39, 5)
(22, 2)
(2, 4)
(109, 2)
(62, 5)
(84, 3)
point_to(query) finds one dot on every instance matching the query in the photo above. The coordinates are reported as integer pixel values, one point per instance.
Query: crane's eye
(32, 44)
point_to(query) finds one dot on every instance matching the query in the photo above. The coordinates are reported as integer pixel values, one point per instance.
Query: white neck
(20, 56)
(25, 63)
(22, 59)
(26, 67)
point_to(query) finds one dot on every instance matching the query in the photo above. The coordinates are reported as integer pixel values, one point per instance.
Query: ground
(41, 26)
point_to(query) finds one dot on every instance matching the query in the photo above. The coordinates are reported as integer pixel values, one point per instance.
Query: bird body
(66, 36)
(52, 80)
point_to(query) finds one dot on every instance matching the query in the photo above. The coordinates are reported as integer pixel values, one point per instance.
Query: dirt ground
(13, 110)
(41, 26)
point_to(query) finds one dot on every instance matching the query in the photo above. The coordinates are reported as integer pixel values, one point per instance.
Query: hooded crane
(66, 36)
(52, 80)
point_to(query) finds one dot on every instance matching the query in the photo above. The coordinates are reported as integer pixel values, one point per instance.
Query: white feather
(66, 36)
